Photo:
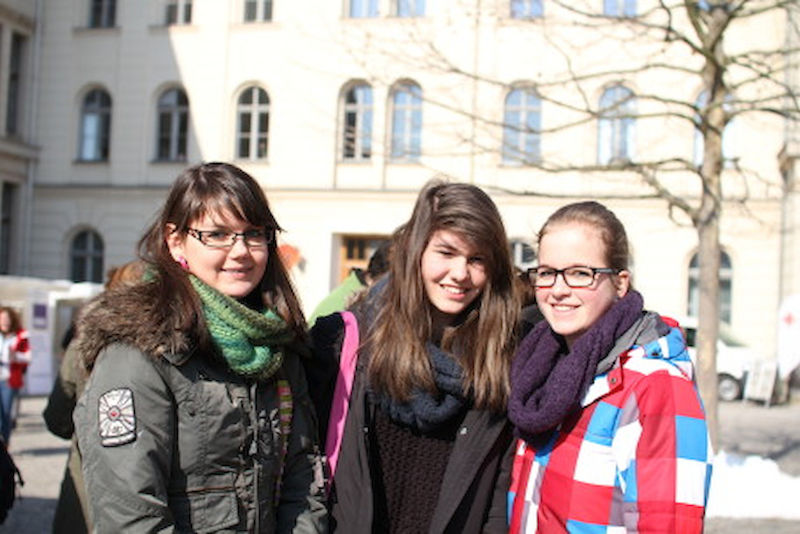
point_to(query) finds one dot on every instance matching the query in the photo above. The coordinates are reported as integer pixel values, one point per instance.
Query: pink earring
(183, 263)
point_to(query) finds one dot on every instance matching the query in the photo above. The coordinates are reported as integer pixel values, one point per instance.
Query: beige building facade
(343, 109)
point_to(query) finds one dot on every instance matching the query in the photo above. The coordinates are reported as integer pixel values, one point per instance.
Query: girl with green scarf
(196, 415)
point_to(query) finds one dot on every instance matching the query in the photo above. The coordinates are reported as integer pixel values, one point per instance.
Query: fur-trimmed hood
(128, 315)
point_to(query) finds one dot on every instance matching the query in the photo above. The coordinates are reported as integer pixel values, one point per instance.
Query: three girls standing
(197, 417)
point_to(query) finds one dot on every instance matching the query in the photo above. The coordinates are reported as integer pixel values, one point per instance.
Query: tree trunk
(708, 320)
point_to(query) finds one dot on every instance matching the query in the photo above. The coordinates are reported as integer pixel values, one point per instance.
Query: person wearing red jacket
(15, 355)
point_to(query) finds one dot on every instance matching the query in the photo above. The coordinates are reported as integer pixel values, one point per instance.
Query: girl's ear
(175, 241)
(622, 281)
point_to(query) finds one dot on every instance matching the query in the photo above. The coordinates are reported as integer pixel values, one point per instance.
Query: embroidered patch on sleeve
(116, 417)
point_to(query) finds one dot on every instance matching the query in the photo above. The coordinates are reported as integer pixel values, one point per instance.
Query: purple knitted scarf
(548, 381)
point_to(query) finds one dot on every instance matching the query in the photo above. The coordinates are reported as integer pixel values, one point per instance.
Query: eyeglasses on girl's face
(255, 238)
(578, 276)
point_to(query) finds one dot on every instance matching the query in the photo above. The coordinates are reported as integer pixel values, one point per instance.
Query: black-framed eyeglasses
(573, 276)
(256, 238)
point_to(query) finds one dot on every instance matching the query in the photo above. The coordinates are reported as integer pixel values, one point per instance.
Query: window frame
(177, 115)
(616, 126)
(409, 8)
(619, 8)
(363, 9)
(405, 144)
(526, 9)
(102, 13)
(522, 145)
(16, 66)
(178, 13)
(94, 137)
(357, 122)
(252, 133)
(92, 257)
(262, 11)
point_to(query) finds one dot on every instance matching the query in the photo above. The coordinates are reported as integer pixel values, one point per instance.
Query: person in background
(530, 310)
(15, 355)
(196, 415)
(426, 438)
(612, 430)
(72, 509)
(356, 282)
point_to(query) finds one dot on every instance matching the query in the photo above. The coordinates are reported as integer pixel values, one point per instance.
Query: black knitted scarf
(548, 381)
(426, 411)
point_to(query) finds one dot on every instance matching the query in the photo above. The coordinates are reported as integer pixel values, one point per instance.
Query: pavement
(746, 428)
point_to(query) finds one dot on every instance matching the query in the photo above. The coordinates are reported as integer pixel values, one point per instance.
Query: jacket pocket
(207, 509)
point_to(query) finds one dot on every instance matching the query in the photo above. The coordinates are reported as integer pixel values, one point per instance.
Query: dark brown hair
(16, 322)
(484, 339)
(200, 190)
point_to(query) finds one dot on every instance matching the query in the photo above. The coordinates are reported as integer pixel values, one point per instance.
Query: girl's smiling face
(572, 311)
(453, 275)
(234, 270)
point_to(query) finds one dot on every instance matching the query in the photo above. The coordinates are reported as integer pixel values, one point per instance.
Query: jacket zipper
(254, 455)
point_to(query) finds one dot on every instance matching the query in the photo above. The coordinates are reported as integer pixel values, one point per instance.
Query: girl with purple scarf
(611, 430)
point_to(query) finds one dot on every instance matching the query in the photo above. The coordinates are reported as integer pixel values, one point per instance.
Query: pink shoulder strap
(341, 392)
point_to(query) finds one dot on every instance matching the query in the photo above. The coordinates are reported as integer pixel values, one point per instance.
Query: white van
(734, 359)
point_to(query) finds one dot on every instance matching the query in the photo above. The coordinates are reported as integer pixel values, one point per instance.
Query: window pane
(522, 120)
(86, 257)
(164, 135)
(250, 10)
(363, 8)
(357, 123)
(410, 8)
(524, 9)
(182, 135)
(172, 13)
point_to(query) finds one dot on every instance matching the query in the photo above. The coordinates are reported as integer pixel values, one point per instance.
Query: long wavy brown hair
(483, 338)
(215, 188)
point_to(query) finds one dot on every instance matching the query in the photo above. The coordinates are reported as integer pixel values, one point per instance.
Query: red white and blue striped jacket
(635, 458)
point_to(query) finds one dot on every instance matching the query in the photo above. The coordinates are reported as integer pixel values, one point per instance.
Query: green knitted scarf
(252, 342)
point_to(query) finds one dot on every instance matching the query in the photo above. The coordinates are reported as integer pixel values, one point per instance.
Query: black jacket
(475, 485)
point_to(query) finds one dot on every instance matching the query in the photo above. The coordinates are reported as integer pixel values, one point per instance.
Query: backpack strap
(341, 393)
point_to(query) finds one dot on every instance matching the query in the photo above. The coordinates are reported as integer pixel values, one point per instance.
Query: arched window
(619, 8)
(257, 10)
(406, 123)
(728, 134)
(616, 126)
(252, 127)
(86, 257)
(357, 124)
(526, 9)
(95, 128)
(522, 123)
(173, 125)
(725, 279)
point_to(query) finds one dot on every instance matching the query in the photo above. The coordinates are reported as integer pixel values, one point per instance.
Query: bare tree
(698, 66)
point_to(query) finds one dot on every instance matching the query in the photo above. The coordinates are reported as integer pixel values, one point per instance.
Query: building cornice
(17, 18)
(17, 149)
